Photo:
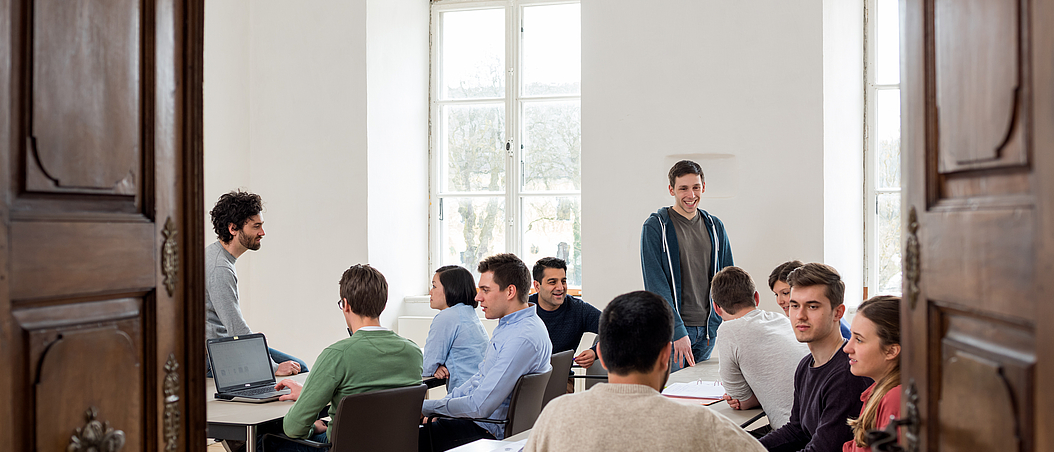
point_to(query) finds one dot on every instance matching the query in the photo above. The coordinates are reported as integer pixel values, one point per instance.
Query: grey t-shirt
(695, 248)
(223, 316)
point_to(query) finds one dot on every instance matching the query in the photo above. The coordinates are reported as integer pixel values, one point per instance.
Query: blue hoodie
(660, 261)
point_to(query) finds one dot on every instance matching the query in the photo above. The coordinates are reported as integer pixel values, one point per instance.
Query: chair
(525, 405)
(384, 420)
(557, 386)
(594, 374)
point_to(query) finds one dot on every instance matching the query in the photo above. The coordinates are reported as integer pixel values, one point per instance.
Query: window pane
(471, 229)
(889, 260)
(473, 149)
(552, 50)
(887, 138)
(887, 45)
(472, 54)
(552, 228)
(552, 146)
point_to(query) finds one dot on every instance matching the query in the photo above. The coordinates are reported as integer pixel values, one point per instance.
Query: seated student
(520, 346)
(373, 358)
(757, 348)
(456, 340)
(567, 318)
(825, 392)
(778, 285)
(874, 352)
(628, 412)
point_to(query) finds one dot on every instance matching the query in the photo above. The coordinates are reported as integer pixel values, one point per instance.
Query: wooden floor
(215, 447)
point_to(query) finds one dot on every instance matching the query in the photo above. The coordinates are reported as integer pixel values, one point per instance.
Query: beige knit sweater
(628, 417)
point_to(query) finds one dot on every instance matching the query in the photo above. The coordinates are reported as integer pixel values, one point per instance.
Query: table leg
(250, 438)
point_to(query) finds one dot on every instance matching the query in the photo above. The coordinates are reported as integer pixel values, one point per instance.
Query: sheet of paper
(696, 389)
(511, 446)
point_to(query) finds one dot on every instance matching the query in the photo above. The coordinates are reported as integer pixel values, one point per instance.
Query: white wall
(843, 106)
(737, 85)
(397, 126)
(306, 156)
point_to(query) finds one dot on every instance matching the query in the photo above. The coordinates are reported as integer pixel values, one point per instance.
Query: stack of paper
(696, 389)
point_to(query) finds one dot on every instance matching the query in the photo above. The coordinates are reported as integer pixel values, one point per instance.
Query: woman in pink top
(874, 351)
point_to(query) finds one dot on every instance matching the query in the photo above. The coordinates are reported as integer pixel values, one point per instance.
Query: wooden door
(978, 136)
(101, 310)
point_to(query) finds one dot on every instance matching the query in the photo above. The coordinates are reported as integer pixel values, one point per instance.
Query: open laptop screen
(241, 361)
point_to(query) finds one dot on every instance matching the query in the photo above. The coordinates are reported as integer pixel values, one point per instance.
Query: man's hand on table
(294, 389)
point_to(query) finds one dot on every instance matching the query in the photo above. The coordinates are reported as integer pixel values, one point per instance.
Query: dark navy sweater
(569, 322)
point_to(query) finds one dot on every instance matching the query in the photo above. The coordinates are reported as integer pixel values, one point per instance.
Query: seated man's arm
(842, 401)
(223, 293)
(738, 392)
(317, 392)
(511, 362)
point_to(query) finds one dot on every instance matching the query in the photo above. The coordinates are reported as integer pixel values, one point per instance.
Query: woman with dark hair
(874, 351)
(456, 340)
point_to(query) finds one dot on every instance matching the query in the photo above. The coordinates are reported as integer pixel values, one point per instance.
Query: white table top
(244, 413)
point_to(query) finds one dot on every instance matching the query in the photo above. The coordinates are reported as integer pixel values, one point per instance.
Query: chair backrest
(526, 402)
(384, 420)
(557, 386)
(595, 369)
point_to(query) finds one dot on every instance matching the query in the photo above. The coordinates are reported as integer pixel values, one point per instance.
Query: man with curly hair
(239, 228)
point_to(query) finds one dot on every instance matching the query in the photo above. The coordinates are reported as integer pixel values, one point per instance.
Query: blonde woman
(874, 351)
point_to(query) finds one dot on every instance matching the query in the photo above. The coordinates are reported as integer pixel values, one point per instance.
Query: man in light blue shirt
(520, 345)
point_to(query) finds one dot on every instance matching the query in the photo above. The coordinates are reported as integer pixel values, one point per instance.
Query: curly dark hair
(235, 208)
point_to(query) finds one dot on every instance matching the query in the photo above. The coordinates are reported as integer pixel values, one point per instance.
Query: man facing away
(239, 228)
(519, 345)
(826, 393)
(781, 289)
(681, 247)
(373, 358)
(567, 318)
(758, 350)
(628, 412)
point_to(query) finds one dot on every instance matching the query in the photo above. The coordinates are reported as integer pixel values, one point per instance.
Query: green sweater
(367, 361)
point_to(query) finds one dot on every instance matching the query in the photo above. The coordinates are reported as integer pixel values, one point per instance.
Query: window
(882, 141)
(505, 133)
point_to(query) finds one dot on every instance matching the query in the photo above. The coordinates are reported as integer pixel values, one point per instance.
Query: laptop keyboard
(255, 391)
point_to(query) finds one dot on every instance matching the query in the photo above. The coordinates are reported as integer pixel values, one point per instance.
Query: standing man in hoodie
(681, 248)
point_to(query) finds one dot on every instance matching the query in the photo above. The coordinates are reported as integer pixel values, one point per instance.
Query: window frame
(872, 192)
(515, 103)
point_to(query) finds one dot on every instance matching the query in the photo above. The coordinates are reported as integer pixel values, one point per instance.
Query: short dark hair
(817, 274)
(634, 328)
(781, 271)
(365, 290)
(685, 167)
(508, 270)
(235, 207)
(458, 285)
(732, 289)
(547, 262)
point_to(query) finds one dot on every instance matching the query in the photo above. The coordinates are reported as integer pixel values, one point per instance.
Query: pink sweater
(889, 406)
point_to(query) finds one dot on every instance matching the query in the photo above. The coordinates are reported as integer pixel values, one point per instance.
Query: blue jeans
(700, 348)
(276, 355)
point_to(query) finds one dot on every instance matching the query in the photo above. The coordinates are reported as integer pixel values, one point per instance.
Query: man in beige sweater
(628, 413)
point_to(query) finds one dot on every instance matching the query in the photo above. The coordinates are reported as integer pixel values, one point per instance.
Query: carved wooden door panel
(978, 113)
(100, 213)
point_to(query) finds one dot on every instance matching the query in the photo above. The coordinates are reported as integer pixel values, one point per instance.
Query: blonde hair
(884, 312)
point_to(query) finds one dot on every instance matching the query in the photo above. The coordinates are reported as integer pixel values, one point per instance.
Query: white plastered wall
(736, 86)
(286, 113)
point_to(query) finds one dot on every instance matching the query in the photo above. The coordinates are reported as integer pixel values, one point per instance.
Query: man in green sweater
(373, 358)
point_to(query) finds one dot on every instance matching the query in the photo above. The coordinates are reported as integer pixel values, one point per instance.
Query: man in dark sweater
(567, 318)
(825, 392)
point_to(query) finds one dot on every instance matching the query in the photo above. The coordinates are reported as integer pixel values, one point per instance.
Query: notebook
(241, 367)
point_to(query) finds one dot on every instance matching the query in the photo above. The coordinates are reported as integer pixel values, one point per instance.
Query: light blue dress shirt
(520, 346)
(457, 340)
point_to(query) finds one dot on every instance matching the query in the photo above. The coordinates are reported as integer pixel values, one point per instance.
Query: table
(709, 371)
(493, 445)
(239, 421)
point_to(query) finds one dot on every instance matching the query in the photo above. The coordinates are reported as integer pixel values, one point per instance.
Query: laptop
(241, 367)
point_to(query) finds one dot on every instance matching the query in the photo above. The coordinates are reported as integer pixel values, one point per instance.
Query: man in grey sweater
(758, 350)
(239, 228)
(628, 412)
